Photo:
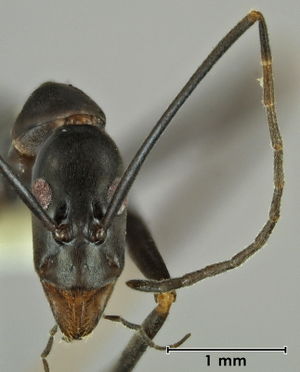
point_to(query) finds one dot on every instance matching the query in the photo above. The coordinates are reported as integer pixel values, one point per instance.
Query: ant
(69, 173)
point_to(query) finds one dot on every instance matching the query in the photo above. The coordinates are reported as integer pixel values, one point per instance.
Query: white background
(205, 190)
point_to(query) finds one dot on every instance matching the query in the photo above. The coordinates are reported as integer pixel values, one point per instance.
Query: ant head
(74, 178)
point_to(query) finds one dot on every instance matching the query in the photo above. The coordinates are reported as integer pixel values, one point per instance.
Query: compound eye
(42, 191)
(63, 233)
(111, 192)
(98, 234)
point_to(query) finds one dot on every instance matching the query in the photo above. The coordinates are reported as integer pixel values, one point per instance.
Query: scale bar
(227, 350)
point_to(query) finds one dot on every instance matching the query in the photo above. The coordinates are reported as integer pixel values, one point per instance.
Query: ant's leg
(145, 254)
(143, 249)
(278, 178)
(48, 348)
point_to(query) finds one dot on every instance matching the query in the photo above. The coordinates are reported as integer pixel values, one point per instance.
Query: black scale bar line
(227, 350)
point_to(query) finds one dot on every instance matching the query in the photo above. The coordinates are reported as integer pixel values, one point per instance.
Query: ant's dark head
(74, 178)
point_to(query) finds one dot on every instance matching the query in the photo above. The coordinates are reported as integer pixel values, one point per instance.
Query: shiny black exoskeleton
(75, 169)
